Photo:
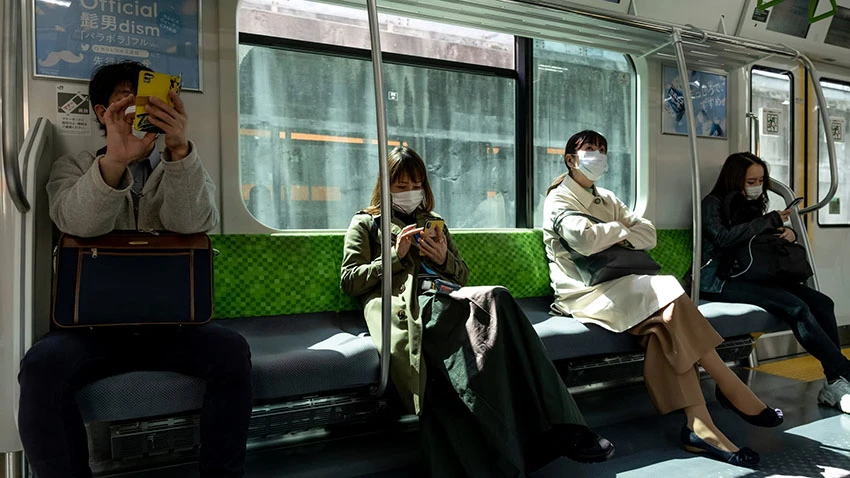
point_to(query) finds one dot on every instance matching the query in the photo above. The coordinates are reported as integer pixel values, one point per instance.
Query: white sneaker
(836, 394)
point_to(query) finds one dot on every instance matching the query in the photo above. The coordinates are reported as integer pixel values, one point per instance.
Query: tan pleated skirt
(675, 338)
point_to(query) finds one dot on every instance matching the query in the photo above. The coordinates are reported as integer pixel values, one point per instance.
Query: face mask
(753, 192)
(592, 164)
(407, 201)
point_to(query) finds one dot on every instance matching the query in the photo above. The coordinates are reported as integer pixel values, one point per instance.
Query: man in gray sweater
(140, 183)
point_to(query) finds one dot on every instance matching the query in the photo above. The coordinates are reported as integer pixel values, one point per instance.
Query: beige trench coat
(621, 303)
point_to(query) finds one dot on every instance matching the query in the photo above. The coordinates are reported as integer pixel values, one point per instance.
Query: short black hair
(105, 79)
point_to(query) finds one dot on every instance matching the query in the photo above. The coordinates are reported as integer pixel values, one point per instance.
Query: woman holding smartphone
(732, 214)
(490, 401)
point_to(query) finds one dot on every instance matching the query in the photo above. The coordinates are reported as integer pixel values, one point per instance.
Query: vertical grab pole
(386, 252)
(696, 195)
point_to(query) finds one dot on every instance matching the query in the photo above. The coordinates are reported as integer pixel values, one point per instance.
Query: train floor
(813, 442)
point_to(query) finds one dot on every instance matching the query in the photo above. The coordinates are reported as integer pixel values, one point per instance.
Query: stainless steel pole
(386, 249)
(696, 195)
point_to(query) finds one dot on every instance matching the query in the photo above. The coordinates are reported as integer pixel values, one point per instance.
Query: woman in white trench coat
(677, 338)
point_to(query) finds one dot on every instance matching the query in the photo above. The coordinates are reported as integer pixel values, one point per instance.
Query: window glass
(772, 98)
(578, 88)
(349, 27)
(838, 104)
(308, 155)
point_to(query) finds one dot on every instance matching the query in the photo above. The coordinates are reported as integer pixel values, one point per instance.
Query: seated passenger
(470, 363)
(675, 335)
(133, 183)
(734, 212)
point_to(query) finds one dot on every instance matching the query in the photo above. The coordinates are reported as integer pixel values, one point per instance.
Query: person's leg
(222, 358)
(822, 308)
(732, 387)
(669, 371)
(49, 420)
(786, 305)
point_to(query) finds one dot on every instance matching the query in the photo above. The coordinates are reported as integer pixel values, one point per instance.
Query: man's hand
(172, 120)
(122, 148)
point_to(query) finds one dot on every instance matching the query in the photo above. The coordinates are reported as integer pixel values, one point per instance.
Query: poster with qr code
(836, 128)
(771, 121)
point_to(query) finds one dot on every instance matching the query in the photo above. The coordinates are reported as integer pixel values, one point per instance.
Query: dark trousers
(63, 361)
(810, 314)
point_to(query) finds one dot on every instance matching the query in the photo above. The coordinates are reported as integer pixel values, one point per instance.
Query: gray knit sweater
(178, 196)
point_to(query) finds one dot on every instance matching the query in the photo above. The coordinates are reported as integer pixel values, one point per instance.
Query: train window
(317, 22)
(307, 120)
(772, 96)
(577, 88)
(837, 213)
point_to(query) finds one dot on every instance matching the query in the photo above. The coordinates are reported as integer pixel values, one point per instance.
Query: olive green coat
(361, 276)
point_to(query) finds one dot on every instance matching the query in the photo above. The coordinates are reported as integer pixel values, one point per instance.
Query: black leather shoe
(769, 417)
(584, 445)
(694, 444)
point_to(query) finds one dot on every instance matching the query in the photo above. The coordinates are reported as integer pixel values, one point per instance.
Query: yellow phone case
(155, 84)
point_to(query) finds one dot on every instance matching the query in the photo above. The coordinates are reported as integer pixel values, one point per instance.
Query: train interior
(293, 104)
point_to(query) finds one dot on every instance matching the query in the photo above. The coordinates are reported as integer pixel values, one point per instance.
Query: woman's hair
(403, 161)
(733, 176)
(575, 142)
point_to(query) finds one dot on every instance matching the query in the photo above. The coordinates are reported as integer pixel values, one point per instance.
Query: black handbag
(767, 257)
(133, 278)
(612, 263)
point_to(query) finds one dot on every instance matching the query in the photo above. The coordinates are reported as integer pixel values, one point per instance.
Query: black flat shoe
(769, 417)
(584, 445)
(694, 444)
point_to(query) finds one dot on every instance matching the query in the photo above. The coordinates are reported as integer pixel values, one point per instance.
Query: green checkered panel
(674, 251)
(263, 275)
(513, 259)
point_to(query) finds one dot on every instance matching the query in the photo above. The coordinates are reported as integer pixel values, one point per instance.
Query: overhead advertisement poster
(75, 37)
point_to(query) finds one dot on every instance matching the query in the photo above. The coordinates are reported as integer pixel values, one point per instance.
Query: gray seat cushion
(291, 356)
(731, 319)
(566, 337)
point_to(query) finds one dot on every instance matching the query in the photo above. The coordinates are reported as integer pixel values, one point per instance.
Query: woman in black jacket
(732, 214)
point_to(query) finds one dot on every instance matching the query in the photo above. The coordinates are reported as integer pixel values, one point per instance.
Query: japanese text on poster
(74, 37)
(709, 96)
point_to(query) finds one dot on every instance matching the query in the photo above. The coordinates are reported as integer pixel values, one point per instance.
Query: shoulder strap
(556, 225)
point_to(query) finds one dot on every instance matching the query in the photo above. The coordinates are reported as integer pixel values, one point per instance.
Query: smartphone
(155, 84)
(430, 230)
(794, 203)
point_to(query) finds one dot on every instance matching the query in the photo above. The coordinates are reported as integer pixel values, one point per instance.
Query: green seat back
(513, 259)
(260, 275)
(674, 251)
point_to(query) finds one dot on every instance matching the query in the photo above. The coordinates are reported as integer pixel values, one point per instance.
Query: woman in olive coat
(468, 362)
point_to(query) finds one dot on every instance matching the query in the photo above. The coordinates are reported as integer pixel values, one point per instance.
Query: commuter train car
(292, 106)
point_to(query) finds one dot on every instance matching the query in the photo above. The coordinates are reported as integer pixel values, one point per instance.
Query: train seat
(291, 356)
(308, 338)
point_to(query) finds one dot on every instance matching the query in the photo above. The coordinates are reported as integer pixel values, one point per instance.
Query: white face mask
(592, 164)
(753, 192)
(407, 201)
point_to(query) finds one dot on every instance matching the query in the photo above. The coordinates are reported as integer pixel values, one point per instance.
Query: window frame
(792, 146)
(523, 77)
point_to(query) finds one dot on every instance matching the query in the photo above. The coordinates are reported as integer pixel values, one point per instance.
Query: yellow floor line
(804, 369)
